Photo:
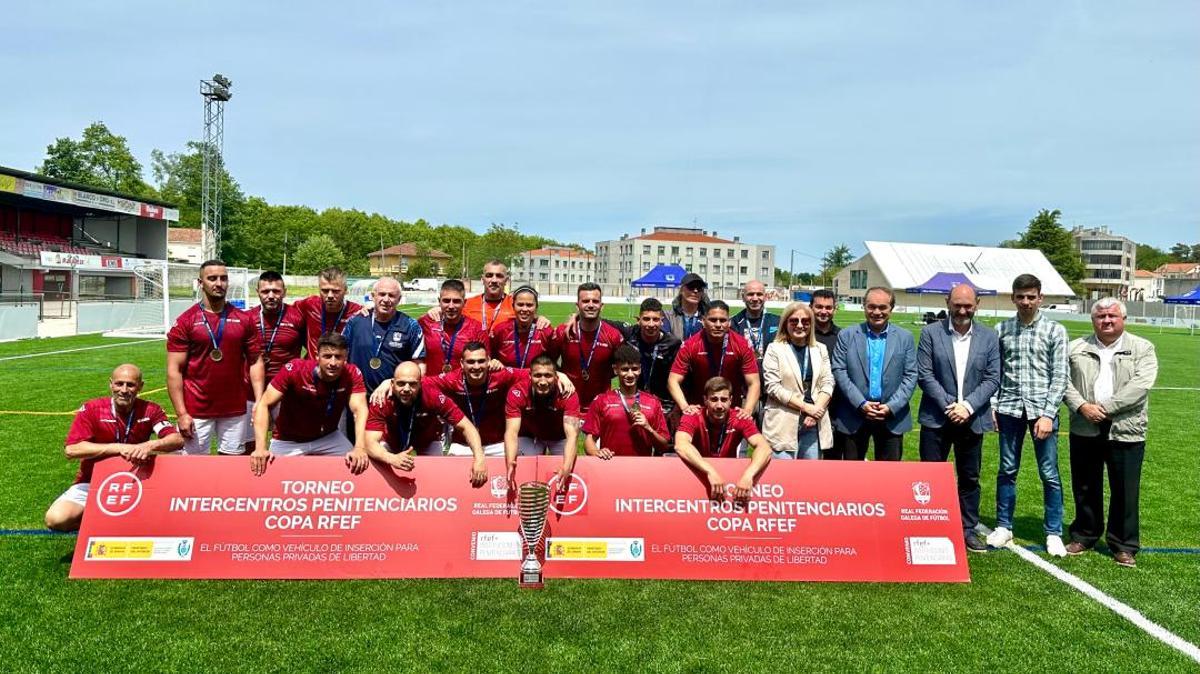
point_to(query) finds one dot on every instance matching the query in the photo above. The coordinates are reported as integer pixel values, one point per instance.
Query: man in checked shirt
(1033, 379)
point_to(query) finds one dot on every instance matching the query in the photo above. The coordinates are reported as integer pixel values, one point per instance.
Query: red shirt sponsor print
(516, 347)
(317, 321)
(97, 421)
(433, 408)
(282, 337)
(444, 344)
(592, 352)
(706, 434)
(485, 407)
(311, 407)
(541, 417)
(608, 420)
(700, 361)
(215, 388)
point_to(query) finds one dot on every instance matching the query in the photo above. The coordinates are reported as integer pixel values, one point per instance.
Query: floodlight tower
(216, 93)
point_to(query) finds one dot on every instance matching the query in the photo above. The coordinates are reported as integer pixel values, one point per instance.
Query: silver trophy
(533, 500)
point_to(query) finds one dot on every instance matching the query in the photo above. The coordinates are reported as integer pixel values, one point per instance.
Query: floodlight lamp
(222, 80)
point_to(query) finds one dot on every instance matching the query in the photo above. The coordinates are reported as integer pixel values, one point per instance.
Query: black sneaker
(974, 544)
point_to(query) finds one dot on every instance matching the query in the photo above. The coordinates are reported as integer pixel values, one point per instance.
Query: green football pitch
(1011, 616)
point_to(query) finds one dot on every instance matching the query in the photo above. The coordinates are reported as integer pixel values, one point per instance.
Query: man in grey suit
(875, 367)
(958, 368)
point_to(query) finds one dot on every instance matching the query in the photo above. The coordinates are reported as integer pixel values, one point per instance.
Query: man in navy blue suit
(958, 369)
(875, 367)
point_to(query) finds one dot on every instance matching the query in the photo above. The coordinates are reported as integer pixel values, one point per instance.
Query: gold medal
(376, 363)
(446, 367)
(586, 376)
(216, 355)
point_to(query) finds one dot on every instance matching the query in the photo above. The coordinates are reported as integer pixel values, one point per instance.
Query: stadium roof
(906, 265)
(17, 173)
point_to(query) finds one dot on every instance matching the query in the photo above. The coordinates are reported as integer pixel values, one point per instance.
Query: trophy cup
(533, 499)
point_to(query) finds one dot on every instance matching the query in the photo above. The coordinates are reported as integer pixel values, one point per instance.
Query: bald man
(120, 424)
(755, 323)
(386, 337)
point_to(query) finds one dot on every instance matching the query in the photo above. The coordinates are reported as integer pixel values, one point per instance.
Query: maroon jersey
(214, 389)
(484, 408)
(311, 407)
(419, 424)
(97, 421)
(608, 420)
(516, 347)
(591, 352)
(445, 347)
(541, 418)
(318, 322)
(281, 337)
(700, 361)
(719, 440)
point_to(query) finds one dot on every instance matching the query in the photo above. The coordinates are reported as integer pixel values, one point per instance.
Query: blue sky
(800, 124)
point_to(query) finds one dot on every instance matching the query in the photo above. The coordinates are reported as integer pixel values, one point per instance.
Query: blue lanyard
(262, 329)
(691, 325)
(215, 339)
(332, 392)
(475, 418)
(648, 373)
(761, 335)
(522, 358)
(720, 363)
(586, 364)
(448, 352)
(387, 331)
(335, 323)
(406, 438)
(124, 438)
(720, 447)
(637, 401)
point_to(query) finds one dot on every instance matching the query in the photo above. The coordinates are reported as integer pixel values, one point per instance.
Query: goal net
(163, 291)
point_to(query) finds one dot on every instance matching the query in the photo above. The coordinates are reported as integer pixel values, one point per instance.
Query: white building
(184, 244)
(553, 264)
(1147, 286)
(1109, 261)
(907, 265)
(723, 263)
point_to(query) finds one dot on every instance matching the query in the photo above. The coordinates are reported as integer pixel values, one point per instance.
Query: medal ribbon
(495, 314)
(586, 365)
(335, 323)
(262, 328)
(647, 377)
(332, 392)
(215, 338)
(522, 358)
(386, 332)
(448, 351)
(761, 335)
(720, 447)
(412, 417)
(637, 400)
(719, 363)
(123, 438)
(482, 399)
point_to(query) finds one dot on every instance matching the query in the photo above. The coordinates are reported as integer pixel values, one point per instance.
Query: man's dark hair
(880, 289)
(270, 277)
(473, 345)
(717, 304)
(587, 287)
(211, 263)
(825, 293)
(454, 285)
(333, 340)
(1025, 281)
(542, 360)
(717, 384)
(626, 354)
(650, 304)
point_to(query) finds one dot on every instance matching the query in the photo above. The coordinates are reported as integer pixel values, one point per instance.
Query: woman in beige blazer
(799, 384)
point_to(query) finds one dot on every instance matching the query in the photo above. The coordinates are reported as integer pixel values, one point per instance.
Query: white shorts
(229, 431)
(333, 444)
(494, 449)
(534, 447)
(77, 494)
(249, 435)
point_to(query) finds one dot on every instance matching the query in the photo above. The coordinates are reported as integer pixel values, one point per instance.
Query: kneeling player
(410, 421)
(312, 396)
(714, 431)
(119, 425)
(540, 419)
(625, 421)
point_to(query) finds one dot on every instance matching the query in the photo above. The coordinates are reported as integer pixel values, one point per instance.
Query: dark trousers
(888, 445)
(1089, 458)
(838, 451)
(936, 444)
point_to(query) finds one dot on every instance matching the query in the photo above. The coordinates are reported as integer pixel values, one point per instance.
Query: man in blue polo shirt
(384, 339)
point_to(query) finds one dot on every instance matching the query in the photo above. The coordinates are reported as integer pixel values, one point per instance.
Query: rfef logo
(922, 493)
(569, 501)
(119, 493)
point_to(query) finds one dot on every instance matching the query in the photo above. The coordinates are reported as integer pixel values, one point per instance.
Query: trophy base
(530, 577)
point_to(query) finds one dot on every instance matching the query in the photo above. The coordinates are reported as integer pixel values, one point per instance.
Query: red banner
(308, 517)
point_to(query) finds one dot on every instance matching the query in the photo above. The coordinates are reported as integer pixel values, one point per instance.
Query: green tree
(100, 158)
(1182, 252)
(1150, 258)
(180, 180)
(835, 259)
(315, 254)
(1046, 234)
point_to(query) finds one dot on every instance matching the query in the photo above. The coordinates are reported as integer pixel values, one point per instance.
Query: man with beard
(448, 332)
(409, 422)
(539, 419)
(755, 323)
(715, 432)
(327, 312)
(586, 351)
(280, 328)
(715, 352)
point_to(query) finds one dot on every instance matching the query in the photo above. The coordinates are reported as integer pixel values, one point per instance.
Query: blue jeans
(1012, 441)
(808, 446)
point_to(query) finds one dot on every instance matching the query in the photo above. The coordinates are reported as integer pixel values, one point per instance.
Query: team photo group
(490, 376)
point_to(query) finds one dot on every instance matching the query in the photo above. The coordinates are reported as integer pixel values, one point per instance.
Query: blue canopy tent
(662, 276)
(942, 283)
(1190, 297)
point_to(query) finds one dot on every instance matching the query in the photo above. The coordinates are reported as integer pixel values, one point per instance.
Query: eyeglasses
(695, 287)
(799, 321)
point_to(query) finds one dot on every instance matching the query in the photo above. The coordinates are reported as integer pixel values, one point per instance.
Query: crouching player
(540, 419)
(625, 421)
(714, 431)
(118, 425)
(410, 422)
(312, 396)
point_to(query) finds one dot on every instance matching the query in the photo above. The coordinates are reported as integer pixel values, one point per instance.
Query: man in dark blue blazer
(875, 367)
(958, 368)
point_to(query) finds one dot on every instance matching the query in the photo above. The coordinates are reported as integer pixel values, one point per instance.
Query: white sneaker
(999, 537)
(1055, 547)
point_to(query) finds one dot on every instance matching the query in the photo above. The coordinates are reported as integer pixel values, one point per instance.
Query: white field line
(1116, 606)
(82, 348)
